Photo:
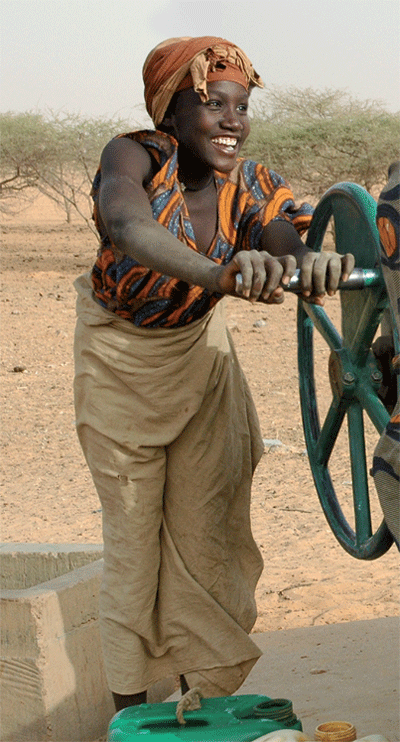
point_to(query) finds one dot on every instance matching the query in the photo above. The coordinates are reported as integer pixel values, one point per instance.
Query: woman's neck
(193, 174)
(193, 186)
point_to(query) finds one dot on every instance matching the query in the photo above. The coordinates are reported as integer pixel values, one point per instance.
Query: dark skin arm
(125, 211)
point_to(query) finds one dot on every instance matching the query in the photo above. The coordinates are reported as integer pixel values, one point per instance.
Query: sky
(86, 56)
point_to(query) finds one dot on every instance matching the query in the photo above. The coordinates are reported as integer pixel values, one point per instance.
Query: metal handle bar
(360, 278)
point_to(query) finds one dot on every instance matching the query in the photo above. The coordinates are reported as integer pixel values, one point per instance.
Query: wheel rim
(354, 377)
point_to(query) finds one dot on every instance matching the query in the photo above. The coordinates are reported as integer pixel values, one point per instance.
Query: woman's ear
(168, 124)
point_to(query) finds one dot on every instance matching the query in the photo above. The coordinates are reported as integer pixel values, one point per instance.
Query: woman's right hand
(262, 276)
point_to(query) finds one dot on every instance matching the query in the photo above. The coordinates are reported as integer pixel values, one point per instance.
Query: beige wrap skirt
(171, 436)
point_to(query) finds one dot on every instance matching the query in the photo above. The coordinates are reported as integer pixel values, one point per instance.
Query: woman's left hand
(320, 273)
(262, 276)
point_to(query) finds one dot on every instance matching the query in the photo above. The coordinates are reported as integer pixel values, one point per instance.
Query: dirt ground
(48, 495)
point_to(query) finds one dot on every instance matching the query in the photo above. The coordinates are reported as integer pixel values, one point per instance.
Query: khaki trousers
(171, 437)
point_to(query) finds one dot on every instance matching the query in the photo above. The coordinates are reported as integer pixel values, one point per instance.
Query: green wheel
(353, 374)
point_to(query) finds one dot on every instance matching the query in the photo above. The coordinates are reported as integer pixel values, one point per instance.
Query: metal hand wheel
(353, 373)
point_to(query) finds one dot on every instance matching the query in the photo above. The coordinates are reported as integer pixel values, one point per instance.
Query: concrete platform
(52, 678)
(53, 684)
(340, 672)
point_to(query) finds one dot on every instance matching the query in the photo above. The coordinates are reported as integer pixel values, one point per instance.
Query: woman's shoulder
(157, 142)
(159, 145)
(143, 150)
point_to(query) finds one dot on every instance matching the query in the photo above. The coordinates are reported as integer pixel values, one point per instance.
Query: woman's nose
(231, 121)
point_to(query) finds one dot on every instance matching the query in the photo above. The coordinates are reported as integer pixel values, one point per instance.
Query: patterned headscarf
(177, 64)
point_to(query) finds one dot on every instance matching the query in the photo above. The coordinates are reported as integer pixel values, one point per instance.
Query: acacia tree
(79, 143)
(318, 138)
(25, 151)
(57, 155)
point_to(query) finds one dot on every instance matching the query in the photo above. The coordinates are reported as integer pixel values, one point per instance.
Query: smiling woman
(164, 413)
(210, 134)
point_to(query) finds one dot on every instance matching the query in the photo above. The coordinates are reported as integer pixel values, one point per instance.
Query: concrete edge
(10, 547)
(79, 574)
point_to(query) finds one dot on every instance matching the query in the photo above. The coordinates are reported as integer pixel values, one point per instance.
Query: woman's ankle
(123, 702)
(184, 685)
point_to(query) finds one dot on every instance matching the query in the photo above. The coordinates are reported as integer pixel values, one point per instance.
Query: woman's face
(212, 132)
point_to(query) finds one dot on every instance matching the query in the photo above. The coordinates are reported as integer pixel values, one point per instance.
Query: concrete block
(52, 674)
(26, 565)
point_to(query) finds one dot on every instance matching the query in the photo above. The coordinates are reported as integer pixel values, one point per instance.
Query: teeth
(226, 141)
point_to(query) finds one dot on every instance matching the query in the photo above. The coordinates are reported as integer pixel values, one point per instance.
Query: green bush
(316, 139)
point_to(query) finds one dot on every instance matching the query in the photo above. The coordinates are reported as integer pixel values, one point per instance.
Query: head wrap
(177, 64)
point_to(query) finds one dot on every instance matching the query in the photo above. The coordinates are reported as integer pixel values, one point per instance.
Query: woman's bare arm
(126, 213)
(320, 272)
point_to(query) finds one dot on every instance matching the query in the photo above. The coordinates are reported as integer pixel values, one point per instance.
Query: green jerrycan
(227, 719)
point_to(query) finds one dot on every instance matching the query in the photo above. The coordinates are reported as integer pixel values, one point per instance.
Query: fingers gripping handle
(360, 278)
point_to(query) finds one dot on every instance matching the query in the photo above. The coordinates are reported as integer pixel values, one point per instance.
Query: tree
(58, 155)
(78, 145)
(318, 138)
(24, 152)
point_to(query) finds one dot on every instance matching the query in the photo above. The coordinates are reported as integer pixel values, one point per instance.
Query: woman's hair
(169, 112)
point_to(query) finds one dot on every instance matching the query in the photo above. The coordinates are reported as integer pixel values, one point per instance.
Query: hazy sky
(86, 55)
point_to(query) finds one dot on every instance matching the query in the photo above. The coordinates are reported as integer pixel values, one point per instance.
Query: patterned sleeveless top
(249, 197)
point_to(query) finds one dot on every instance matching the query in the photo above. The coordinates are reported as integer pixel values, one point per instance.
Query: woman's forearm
(136, 234)
(156, 248)
(280, 238)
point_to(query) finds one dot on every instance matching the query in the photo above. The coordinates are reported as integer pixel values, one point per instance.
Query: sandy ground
(48, 495)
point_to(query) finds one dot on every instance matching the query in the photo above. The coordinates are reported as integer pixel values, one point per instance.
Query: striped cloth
(249, 197)
(386, 463)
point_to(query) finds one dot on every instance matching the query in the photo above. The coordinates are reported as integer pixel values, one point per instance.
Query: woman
(164, 414)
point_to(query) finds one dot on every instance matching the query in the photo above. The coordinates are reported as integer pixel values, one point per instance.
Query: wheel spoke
(361, 314)
(324, 325)
(359, 475)
(329, 432)
(373, 406)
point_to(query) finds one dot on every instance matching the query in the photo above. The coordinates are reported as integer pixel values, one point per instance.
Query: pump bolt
(376, 376)
(348, 378)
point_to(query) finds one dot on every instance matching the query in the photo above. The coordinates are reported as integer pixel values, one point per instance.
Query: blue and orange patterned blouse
(249, 197)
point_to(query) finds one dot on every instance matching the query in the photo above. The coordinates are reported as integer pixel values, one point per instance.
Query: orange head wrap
(177, 64)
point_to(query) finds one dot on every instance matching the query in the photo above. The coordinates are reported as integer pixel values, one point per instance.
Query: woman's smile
(226, 144)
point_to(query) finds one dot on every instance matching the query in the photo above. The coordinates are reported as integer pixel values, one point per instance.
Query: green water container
(227, 719)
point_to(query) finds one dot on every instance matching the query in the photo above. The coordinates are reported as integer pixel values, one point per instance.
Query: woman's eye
(243, 108)
(213, 103)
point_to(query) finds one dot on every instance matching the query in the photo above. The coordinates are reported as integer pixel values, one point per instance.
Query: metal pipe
(359, 279)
